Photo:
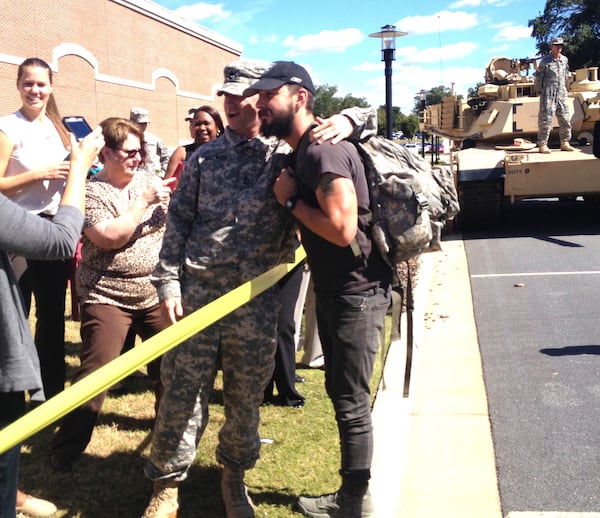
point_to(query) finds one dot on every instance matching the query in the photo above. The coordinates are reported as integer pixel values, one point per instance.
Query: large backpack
(411, 201)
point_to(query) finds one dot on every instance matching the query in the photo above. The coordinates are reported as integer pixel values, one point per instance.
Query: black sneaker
(59, 464)
(323, 506)
(336, 505)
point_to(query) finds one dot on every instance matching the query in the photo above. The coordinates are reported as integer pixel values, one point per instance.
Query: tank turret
(506, 106)
(494, 155)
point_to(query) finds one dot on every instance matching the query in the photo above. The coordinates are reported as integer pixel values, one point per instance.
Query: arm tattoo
(326, 183)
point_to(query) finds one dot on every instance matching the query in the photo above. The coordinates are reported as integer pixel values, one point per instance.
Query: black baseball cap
(282, 73)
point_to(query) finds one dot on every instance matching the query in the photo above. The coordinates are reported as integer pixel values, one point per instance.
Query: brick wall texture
(110, 55)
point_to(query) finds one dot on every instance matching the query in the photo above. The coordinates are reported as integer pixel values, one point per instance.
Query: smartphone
(77, 125)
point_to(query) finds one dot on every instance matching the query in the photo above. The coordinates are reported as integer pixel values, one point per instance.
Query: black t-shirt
(335, 269)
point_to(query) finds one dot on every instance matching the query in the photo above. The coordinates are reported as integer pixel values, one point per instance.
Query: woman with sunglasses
(207, 125)
(124, 223)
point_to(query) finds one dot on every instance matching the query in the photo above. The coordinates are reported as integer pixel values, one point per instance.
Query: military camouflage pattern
(241, 74)
(246, 342)
(224, 227)
(551, 82)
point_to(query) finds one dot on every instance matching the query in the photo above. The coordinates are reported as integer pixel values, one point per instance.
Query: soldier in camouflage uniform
(224, 228)
(551, 82)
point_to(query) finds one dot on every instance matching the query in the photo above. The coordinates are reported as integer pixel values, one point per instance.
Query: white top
(35, 145)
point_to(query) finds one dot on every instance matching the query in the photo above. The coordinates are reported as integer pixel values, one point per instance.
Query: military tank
(493, 135)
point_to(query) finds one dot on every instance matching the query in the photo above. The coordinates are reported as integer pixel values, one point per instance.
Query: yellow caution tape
(121, 367)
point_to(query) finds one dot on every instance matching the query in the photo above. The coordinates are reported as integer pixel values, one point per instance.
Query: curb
(434, 455)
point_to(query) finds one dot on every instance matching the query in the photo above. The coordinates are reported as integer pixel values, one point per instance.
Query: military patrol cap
(139, 115)
(557, 41)
(282, 73)
(191, 112)
(241, 74)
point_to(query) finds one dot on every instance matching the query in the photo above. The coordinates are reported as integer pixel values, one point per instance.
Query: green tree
(577, 22)
(328, 104)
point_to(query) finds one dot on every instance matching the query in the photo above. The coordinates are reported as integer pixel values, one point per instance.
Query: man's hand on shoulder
(334, 129)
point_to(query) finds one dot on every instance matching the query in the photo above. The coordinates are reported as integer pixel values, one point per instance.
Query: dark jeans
(350, 328)
(12, 406)
(284, 375)
(47, 280)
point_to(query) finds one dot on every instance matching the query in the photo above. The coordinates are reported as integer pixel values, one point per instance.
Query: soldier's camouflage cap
(557, 41)
(241, 74)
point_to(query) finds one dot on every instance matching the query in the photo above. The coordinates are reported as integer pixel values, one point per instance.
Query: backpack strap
(300, 154)
(410, 306)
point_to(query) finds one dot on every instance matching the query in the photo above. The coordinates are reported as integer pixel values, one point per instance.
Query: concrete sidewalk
(434, 454)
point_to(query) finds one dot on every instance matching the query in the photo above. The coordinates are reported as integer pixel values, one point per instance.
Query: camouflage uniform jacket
(157, 154)
(223, 218)
(551, 75)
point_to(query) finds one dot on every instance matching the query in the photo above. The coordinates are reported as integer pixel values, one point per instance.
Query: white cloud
(263, 39)
(499, 3)
(512, 33)
(442, 21)
(325, 41)
(367, 66)
(203, 11)
(447, 52)
(465, 3)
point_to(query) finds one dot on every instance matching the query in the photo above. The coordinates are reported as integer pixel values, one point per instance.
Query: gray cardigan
(31, 236)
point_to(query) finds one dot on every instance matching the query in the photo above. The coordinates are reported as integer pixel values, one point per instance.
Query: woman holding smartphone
(25, 234)
(33, 170)
(125, 218)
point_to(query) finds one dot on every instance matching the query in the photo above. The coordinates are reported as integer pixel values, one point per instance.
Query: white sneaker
(317, 363)
(36, 507)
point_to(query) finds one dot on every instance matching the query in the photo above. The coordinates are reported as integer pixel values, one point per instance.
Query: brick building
(110, 55)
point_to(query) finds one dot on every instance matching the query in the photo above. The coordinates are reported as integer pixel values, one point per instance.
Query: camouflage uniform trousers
(553, 100)
(245, 342)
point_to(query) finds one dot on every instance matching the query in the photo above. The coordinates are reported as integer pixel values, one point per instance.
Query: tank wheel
(479, 204)
(596, 142)
(592, 199)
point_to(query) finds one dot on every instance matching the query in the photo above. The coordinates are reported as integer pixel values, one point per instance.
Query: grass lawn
(300, 455)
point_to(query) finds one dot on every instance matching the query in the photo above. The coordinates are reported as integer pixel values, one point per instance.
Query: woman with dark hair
(126, 211)
(33, 170)
(25, 234)
(208, 125)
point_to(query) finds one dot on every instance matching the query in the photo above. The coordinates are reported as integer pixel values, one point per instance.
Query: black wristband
(290, 203)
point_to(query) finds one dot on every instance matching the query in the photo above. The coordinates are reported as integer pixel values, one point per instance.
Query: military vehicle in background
(493, 135)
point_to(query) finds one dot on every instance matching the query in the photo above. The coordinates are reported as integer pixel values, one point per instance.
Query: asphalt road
(536, 294)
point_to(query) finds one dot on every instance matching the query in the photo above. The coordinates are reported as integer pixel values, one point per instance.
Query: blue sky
(448, 41)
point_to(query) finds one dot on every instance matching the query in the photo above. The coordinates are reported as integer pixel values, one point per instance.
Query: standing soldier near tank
(551, 82)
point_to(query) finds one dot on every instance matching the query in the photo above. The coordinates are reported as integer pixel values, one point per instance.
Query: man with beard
(224, 228)
(327, 193)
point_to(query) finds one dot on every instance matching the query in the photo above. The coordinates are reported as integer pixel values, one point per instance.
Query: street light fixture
(388, 35)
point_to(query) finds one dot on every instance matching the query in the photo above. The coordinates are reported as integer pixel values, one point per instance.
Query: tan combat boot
(565, 146)
(235, 495)
(544, 149)
(164, 501)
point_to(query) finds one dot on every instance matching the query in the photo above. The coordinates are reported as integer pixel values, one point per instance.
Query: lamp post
(388, 35)
(423, 104)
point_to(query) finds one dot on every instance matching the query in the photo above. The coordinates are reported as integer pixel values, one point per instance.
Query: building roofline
(163, 15)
